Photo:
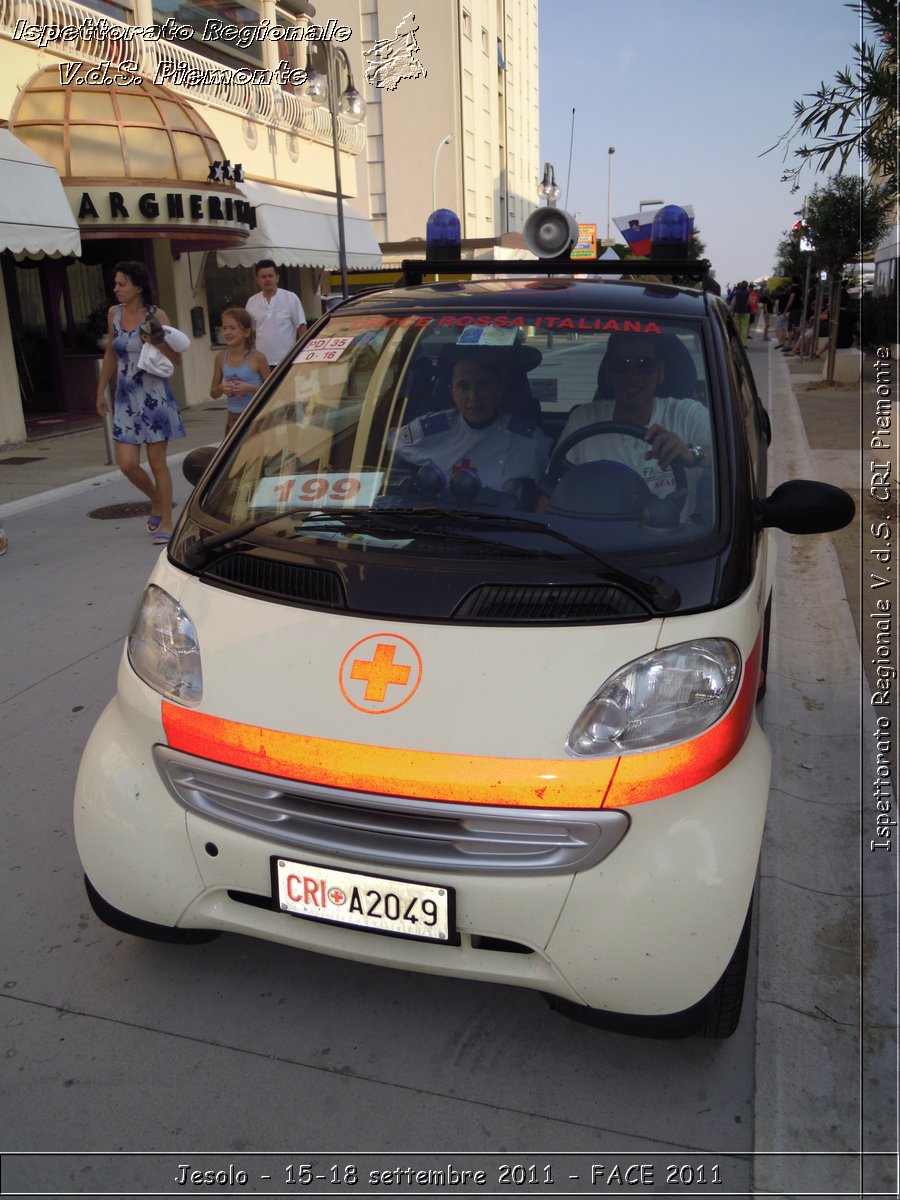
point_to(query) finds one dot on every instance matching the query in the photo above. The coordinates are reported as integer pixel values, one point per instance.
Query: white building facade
(479, 86)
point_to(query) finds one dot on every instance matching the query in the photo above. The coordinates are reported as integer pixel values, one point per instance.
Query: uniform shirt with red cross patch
(501, 454)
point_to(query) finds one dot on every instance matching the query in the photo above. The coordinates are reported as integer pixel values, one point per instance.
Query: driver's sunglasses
(621, 366)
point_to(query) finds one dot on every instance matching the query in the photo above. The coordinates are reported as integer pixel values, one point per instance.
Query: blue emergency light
(670, 233)
(443, 240)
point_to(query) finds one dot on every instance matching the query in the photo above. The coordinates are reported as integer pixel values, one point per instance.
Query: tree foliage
(790, 260)
(845, 219)
(858, 111)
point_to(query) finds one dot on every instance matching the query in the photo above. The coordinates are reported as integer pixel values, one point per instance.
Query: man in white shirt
(676, 429)
(278, 316)
(487, 452)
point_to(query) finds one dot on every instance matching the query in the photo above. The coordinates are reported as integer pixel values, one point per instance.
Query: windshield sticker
(323, 349)
(376, 322)
(487, 335)
(573, 324)
(318, 491)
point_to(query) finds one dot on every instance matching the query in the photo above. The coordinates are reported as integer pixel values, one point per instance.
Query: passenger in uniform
(475, 450)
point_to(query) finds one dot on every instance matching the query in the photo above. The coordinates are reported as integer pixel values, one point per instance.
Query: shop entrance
(57, 314)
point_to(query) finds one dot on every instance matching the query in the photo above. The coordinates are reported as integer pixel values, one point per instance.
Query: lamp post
(610, 154)
(548, 187)
(349, 104)
(441, 144)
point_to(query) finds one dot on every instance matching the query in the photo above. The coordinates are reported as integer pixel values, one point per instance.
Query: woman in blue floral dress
(145, 412)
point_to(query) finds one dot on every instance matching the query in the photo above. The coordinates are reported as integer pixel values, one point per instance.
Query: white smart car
(452, 662)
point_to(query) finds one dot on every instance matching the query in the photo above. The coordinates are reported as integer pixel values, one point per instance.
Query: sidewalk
(33, 472)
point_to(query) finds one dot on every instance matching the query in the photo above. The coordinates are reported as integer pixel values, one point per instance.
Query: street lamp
(441, 144)
(547, 187)
(610, 153)
(350, 105)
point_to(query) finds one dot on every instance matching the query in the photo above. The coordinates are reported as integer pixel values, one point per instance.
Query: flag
(636, 228)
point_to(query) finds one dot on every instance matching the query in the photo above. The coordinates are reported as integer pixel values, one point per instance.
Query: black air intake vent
(542, 605)
(281, 581)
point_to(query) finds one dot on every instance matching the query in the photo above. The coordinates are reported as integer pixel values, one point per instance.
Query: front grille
(546, 604)
(287, 581)
(390, 830)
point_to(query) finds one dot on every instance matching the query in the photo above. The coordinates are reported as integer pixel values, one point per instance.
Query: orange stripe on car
(462, 778)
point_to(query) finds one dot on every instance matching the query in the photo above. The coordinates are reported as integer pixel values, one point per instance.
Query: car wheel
(724, 1003)
(125, 923)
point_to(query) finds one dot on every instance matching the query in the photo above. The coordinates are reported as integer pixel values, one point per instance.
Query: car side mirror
(805, 506)
(196, 462)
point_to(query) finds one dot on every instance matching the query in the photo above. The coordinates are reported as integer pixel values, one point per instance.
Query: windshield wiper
(197, 553)
(650, 588)
(654, 588)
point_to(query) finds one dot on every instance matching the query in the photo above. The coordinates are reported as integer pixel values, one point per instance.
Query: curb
(808, 1085)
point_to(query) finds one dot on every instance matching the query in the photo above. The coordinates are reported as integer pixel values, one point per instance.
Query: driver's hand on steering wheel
(666, 447)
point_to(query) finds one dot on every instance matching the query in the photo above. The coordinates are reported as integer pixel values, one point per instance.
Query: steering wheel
(558, 466)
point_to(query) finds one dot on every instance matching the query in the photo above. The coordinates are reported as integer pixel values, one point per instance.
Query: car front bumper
(646, 926)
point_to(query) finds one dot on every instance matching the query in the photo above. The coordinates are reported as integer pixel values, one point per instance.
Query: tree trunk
(834, 312)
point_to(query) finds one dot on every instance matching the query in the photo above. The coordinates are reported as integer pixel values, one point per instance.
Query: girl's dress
(145, 409)
(244, 373)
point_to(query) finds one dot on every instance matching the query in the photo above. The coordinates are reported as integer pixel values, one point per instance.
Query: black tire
(724, 1003)
(116, 919)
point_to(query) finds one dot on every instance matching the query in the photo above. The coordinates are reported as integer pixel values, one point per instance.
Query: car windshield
(594, 425)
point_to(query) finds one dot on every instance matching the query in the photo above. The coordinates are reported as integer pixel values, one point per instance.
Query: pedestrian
(4, 540)
(766, 305)
(780, 317)
(240, 368)
(792, 312)
(144, 412)
(753, 301)
(740, 307)
(277, 314)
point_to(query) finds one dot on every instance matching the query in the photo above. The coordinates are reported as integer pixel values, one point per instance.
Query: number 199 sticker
(296, 491)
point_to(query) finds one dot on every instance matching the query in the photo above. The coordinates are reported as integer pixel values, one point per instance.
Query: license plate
(372, 902)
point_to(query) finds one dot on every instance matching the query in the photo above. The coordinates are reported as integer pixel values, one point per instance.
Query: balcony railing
(267, 103)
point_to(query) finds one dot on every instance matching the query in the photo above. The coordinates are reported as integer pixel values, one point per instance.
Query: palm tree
(858, 111)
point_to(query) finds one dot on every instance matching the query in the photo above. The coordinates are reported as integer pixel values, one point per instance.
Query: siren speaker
(550, 232)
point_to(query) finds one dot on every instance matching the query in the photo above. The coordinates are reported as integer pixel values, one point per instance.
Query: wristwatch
(697, 454)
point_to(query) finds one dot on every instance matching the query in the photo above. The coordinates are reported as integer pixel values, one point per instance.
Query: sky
(691, 93)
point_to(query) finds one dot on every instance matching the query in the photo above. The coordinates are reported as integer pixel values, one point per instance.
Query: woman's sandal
(153, 523)
(161, 537)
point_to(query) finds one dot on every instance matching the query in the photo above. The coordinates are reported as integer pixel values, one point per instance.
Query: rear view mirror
(805, 506)
(196, 462)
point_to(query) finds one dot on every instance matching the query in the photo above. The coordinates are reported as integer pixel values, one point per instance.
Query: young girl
(240, 368)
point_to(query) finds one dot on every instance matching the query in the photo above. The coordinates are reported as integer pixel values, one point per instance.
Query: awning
(35, 217)
(298, 230)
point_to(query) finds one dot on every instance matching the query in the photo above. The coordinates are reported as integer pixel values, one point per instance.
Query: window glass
(197, 16)
(535, 415)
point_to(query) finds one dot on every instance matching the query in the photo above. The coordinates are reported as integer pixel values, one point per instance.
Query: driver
(634, 371)
(475, 449)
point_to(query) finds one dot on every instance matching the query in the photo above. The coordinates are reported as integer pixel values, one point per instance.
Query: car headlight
(163, 649)
(659, 700)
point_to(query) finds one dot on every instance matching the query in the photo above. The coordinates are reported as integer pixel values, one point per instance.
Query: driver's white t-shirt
(686, 418)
